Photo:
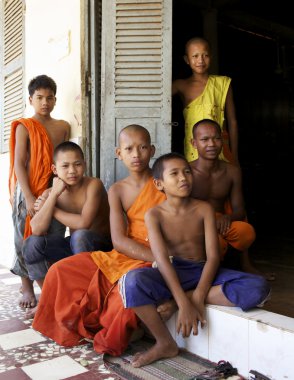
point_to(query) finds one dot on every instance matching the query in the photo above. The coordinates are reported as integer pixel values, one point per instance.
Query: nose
(72, 169)
(136, 152)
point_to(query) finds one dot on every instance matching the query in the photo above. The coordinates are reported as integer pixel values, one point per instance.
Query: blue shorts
(145, 286)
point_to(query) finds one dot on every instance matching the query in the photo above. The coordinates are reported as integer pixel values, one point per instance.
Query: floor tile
(14, 374)
(55, 369)
(11, 281)
(19, 339)
(12, 325)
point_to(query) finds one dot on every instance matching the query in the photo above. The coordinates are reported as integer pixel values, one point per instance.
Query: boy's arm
(212, 255)
(20, 164)
(84, 220)
(118, 225)
(232, 124)
(67, 131)
(236, 194)
(41, 221)
(188, 316)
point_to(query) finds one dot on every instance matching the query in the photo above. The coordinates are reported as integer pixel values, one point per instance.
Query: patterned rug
(185, 366)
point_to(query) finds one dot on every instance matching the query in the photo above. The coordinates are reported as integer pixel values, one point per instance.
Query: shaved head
(134, 128)
(196, 40)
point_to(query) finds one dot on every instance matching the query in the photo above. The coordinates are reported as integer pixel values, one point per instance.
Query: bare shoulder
(232, 170)
(201, 206)
(153, 214)
(118, 188)
(94, 183)
(180, 84)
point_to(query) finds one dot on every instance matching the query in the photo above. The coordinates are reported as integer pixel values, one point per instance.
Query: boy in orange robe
(31, 147)
(80, 297)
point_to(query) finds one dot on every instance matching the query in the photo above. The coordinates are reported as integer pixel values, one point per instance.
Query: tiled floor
(26, 354)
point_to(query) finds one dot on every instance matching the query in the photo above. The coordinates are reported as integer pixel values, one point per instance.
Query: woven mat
(185, 366)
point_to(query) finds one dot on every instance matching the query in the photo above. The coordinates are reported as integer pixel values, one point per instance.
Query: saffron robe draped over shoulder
(209, 105)
(40, 160)
(80, 300)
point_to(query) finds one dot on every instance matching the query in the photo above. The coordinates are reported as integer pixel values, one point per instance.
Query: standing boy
(80, 297)
(31, 145)
(207, 96)
(184, 229)
(74, 200)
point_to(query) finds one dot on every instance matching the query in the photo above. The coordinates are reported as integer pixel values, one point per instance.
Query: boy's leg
(19, 214)
(40, 251)
(141, 289)
(87, 241)
(165, 346)
(245, 290)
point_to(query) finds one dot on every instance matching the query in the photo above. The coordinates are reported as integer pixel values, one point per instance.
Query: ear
(118, 153)
(153, 149)
(186, 59)
(193, 143)
(30, 100)
(158, 184)
(53, 167)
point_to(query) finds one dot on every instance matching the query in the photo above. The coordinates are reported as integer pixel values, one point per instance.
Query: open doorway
(257, 52)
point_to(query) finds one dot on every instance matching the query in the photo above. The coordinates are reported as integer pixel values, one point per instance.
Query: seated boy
(220, 183)
(74, 200)
(185, 229)
(80, 297)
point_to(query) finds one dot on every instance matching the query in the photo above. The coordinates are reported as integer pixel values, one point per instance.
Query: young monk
(76, 201)
(80, 297)
(207, 96)
(220, 183)
(31, 146)
(183, 238)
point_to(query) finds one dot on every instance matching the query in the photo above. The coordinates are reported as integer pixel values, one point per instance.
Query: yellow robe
(209, 105)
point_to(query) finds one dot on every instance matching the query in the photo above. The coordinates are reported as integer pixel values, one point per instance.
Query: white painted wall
(52, 47)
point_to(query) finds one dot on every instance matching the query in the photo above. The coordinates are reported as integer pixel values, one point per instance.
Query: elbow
(37, 231)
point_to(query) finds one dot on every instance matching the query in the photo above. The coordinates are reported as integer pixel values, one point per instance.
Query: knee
(32, 246)
(258, 292)
(79, 240)
(134, 279)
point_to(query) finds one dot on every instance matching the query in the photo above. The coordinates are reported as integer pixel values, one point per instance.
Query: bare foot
(248, 267)
(154, 353)
(167, 309)
(30, 312)
(28, 298)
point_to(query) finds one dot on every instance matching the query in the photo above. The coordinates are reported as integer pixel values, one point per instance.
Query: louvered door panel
(137, 72)
(12, 104)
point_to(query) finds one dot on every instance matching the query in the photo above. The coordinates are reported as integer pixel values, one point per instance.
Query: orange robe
(240, 235)
(40, 160)
(79, 300)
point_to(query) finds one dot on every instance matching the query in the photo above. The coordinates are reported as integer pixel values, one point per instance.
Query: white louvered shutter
(136, 76)
(12, 78)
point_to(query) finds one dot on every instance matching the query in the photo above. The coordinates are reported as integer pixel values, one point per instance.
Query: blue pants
(145, 286)
(41, 251)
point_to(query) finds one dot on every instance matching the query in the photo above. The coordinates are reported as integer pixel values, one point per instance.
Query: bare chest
(72, 203)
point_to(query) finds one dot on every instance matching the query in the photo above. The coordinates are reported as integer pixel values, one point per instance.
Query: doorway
(260, 63)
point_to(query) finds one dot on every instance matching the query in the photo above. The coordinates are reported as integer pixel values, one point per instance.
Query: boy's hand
(200, 307)
(30, 205)
(39, 203)
(223, 223)
(58, 186)
(188, 318)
